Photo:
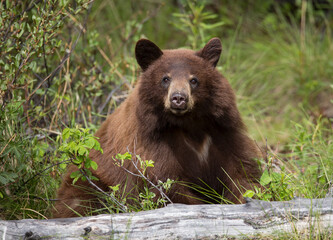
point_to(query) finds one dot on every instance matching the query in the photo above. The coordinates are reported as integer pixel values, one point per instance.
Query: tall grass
(283, 80)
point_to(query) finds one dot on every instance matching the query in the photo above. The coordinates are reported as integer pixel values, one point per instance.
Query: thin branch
(3, 149)
(32, 176)
(44, 58)
(39, 173)
(56, 70)
(100, 109)
(114, 200)
(128, 171)
(145, 178)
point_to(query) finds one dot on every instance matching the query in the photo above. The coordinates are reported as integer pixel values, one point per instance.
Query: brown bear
(182, 114)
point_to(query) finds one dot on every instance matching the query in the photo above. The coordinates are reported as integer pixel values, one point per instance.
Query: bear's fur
(182, 114)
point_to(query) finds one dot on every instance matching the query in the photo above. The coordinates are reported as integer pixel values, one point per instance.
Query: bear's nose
(178, 100)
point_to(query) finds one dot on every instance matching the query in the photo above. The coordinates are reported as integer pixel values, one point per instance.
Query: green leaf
(115, 188)
(127, 156)
(63, 165)
(94, 178)
(20, 33)
(90, 142)
(149, 163)
(33, 66)
(3, 180)
(76, 161)
(249, 194)
(87, 163)
(75, 180)
(276, 177)
(75, 174)
(265, 178)
(93, 165)
(65, 134)
(82, 150)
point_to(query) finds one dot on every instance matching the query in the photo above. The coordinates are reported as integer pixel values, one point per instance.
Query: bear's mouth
(178, 111)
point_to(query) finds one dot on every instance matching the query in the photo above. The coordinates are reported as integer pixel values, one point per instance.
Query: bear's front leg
(76, 200)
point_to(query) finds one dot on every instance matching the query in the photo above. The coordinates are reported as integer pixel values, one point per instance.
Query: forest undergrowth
(68, 64)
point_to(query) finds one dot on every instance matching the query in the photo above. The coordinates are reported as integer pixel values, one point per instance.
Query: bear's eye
(194, 82)
(166, 81)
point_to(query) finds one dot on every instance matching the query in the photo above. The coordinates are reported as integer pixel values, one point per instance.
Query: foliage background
(69, 63)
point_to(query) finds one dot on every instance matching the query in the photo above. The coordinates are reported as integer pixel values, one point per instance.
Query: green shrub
(33, 53)
(146, 199)
(75, 148)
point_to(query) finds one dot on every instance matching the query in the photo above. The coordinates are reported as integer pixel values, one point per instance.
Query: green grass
(281, 73)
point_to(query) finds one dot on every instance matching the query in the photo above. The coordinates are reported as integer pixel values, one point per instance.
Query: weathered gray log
(178, 221)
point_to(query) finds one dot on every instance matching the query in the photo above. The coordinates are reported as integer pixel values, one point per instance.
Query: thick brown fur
(191, 129)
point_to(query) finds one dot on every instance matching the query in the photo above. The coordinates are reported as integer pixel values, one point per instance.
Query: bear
(182, 114)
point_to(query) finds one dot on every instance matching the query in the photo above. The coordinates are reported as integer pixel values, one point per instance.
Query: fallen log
(178, 221)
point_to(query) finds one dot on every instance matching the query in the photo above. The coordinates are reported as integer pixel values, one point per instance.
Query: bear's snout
(179, 101)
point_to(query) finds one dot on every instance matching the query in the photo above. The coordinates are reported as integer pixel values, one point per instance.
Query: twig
(4, 164)
(100, 109)
(47, 72)
(14, 135)
(128, 171)
(60, 101)
(114, 200)
(56, 70)
(48, 130)
(21, 65)
(32, 177)
(39, 173)
(108, 60)
(145, 178)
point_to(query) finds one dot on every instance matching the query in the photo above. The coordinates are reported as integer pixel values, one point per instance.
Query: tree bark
(179, 221)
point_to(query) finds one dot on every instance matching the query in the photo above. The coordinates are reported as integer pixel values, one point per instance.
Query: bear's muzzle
(178, 101)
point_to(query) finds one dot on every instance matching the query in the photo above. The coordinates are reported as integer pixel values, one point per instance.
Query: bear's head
(180, 85)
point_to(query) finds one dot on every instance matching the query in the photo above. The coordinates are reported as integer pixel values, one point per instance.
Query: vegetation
(67, 64)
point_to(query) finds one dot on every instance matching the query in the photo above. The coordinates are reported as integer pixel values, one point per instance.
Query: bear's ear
(146, 52)
(211, 51)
